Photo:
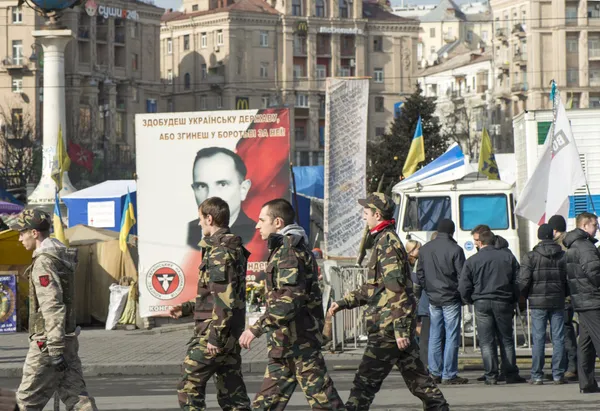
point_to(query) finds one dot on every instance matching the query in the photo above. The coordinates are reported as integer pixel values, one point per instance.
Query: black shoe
(559, 382)
(501, 377)
(455, 381)
(491, 382)
(436, 379)
(516, 380)
(482, 378)
(591, 390)
(571, 376)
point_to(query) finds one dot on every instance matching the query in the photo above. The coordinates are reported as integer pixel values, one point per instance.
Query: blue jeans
(446, 318)
(539, 320)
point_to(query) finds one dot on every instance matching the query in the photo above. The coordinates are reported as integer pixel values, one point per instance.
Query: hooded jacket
(543, 276)
(51, 294)
(583, 270)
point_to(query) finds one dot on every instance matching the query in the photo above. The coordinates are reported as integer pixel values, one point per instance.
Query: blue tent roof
(8, 197)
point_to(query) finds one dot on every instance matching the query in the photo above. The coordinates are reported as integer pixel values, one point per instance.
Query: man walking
(440, 264)
(294, 318)
(391, 316)
(220, 314)
(583, 271)
(543, 280)
(488, 281)
(52, 362)
(559, 226)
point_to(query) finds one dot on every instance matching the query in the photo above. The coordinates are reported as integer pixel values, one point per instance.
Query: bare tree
(20, 150)
(463, 124)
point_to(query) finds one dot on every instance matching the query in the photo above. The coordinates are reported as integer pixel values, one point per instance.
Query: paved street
(157, 393)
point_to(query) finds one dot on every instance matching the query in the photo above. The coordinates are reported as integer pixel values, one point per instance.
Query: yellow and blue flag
(62, 162)
(416, 154)
(127, 221)
(59, 231)
(487, 161)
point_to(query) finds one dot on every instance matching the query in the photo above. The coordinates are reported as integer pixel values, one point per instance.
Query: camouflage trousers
(308, 370)
(199, 366)
(40, 380)
(377, 362)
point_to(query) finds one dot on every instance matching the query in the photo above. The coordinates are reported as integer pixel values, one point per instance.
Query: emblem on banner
(165, 280)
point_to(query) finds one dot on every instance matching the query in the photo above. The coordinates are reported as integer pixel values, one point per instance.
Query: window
(573, 45)
(17, 120)
(572, 76)
(484, 36)
(203, 103)
(219, 101)
(432, 32)
(151, 106)
(379, 131)
(17, 84)
(343, 9)
(571, 14)
(469, 36)
(17, 15)
(203, 40)
(378, 43)
(298, 71)
(220, 37)
(119, 125)
(379, 107)
(17, 49)
(240, 64)
(320, 8)
(424, 213)
(321, 71)
(300, 133)
(265, 101)
(170, 76)
(186, 42)
(264, 39)
(432, 50)
(296, 7)
(169, 46)
(302, 100)
(593, 46)
(134, 62)
(170, 106)
(203, 71)
(378, 75)
(264, 70)
(195, 7)
(187, 81)
(488, 209)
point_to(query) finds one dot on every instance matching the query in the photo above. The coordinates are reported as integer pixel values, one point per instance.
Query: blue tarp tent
(310, 183)
(101, 205)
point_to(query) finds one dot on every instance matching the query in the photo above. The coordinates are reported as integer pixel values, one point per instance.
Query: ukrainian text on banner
(8, 303)
(241, 156)
(347, 105)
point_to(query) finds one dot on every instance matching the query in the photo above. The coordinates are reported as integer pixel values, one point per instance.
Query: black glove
(59, 363)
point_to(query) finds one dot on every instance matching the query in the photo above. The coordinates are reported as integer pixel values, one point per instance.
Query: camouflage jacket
(294, 316)
(388, 291)
(51, 294)
(220, 306)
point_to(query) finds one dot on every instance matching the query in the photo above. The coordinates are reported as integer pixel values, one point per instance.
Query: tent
(101, 206)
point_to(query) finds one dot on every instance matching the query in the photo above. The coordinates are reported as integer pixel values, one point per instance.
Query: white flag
(557, 175)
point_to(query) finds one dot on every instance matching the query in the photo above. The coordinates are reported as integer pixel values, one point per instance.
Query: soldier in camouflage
(52, 362)
(220, 314)
(294, 317)
(391, 315)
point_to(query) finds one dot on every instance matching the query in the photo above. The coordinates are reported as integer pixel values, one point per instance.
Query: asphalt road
(158, 393)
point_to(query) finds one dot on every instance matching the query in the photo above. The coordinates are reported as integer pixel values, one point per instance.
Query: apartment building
(536, 42)
(111, 68)
(221, 54)
(447, 26)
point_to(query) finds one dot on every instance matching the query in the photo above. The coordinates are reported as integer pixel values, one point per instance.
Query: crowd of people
(559, 277)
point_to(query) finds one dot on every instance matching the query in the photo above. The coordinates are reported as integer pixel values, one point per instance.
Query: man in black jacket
(440, 264)
(583, 271)
(543, 280)
(488, 281)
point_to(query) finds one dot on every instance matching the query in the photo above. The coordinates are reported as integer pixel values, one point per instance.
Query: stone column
(313, 121)
(311, 61)
(361, 61)
(335, 55)
(54, 43)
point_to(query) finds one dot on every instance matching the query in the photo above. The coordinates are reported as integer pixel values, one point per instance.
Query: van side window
(489, 209)
(424, 213)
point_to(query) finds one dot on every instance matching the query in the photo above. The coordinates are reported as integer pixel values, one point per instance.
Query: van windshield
(424, 213)
(489, 209)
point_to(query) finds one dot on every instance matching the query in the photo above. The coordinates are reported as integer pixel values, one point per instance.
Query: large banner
(182, 159)
(347, 106)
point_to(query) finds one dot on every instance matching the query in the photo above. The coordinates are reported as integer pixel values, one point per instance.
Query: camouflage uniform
(391, 314)
(220, 314)
(293, 322)
(52, 330)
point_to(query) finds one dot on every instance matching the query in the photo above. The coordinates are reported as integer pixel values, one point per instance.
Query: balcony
(503, 66)
(594, 54)
(519, 88)
(301, 83)
(300, 50)
(502, 96)
(519, 31)
(83, 33)
(214, 79)
(449, 38)
(520, 59)
(14, 63)
(501, 34)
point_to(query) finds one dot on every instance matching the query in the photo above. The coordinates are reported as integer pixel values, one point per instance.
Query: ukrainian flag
(127, 221)
(416, 154)
(59, 231)
(487, 161)
(62, 162)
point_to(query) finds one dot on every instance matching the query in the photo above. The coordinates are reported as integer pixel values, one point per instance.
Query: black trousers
(570, 340)
(424, 340)
(589, 347)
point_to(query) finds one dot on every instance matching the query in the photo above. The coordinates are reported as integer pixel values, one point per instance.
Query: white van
(467, 201)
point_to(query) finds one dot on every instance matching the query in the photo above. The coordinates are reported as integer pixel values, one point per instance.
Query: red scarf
(381, 226)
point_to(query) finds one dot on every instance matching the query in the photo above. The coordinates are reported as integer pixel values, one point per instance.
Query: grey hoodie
(296, 232)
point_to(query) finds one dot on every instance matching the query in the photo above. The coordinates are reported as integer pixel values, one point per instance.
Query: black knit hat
(558, 223)
(545, 232)
(446, 226)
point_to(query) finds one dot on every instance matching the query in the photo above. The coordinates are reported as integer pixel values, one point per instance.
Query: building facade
(221, 54)
(111, 67)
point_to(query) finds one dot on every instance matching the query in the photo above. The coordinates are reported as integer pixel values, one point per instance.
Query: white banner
(346, 118)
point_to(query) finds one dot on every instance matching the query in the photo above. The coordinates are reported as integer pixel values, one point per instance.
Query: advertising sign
(241, 156)
(8, 303)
